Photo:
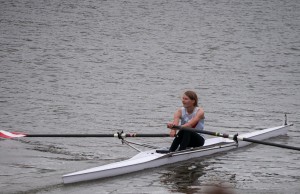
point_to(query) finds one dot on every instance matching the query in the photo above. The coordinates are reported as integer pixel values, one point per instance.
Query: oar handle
(203, 131)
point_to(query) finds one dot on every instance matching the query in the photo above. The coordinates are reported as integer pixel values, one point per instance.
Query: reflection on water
(219, 190)
(194, 176)
(184, 177)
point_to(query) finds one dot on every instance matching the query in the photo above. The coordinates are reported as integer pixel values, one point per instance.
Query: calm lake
(101, 66)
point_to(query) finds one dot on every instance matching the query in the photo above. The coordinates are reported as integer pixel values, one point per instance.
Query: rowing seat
(163, 151)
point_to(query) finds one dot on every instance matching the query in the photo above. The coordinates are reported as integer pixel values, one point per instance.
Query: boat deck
(217, 145)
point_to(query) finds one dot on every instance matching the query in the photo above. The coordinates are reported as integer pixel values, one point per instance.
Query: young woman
(190, 115)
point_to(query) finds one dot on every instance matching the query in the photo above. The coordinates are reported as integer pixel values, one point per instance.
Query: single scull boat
(151, 158)
(158, 157)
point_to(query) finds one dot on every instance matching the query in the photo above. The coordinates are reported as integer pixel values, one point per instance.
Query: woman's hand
(170, 125)
(172, 133)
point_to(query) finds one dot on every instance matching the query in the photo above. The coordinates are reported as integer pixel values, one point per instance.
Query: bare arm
(176, 120)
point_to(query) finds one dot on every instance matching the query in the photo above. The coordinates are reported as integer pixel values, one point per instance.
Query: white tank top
(185, 117)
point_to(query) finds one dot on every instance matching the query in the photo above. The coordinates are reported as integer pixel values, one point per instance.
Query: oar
(237, 138)
(8, 135)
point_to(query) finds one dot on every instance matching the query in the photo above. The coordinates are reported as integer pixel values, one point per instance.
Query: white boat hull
(150, 159)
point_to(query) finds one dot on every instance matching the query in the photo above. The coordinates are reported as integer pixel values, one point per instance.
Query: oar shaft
(236, 137)
(8, 135)
(70, 135)
(270, 144)
(147, 135)
(98, 135)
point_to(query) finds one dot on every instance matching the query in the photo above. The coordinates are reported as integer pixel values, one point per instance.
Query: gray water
(103, 66)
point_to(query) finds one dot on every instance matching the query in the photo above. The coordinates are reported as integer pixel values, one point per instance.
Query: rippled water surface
(103, 66)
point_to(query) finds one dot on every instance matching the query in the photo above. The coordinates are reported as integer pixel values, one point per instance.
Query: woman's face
(187, 102)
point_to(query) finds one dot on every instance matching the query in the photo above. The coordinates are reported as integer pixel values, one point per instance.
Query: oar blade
(9, 135)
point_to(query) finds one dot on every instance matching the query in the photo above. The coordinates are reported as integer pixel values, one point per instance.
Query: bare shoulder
(200, 111)
(178, 112)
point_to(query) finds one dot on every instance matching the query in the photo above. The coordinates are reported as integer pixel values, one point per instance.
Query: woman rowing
(190, 115)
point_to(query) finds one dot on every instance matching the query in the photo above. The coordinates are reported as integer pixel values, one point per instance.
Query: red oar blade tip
(9, 135)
